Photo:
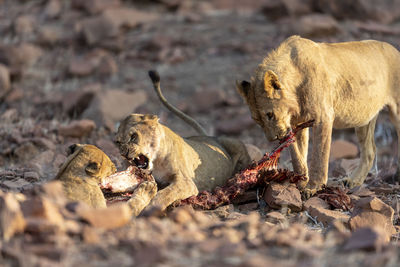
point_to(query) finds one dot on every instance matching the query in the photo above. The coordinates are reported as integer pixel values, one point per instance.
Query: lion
(181, 166)
(85, 169)
(340, 85)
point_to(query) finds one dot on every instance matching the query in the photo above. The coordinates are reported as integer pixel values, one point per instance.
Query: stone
(76, 102)
(343, 149)
(95, 6)
(234, 126)
(128, 17)
(275, 217)
(326, 216)
(41, 209)
(4, 81)
(15, 184)
(24, 24)
(53, 8)
(360, 9)
(278, 196)
(368, 238)
(315, 25)
(26, 151)
(107, 66)
(18, 58)
(373, 212)
(315, 202)
(77, 128)
(31, 176)
(109, 107)
(50, 35)
(11, 218)
(206, 99)
(182, 215)
(111, 217)
(96, 29)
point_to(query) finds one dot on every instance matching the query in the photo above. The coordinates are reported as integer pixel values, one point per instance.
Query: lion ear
(92, 168)
(243, 88)
(72, 148)
(271, 82)
(150, 117)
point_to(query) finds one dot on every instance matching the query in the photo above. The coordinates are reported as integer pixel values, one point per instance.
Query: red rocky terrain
(70, 70)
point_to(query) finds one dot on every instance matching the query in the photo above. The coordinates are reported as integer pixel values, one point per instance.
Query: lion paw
(350, 182)
(146, 189)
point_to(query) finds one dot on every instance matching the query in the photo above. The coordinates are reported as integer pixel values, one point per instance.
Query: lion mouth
(141, 162)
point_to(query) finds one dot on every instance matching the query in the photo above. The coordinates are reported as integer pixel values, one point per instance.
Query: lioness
(82, 173)
(184, 165)
(340, 85)
(85, 169)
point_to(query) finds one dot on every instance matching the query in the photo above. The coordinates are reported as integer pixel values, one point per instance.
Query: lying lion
(85, 170)
(340, 85)
(184, 166)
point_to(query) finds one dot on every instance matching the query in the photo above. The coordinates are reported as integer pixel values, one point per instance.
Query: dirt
(70, 70)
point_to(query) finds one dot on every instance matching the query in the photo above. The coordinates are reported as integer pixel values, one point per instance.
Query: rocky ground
(70, 70)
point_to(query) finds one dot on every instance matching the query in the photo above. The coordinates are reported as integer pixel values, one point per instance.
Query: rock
(96, 29)
(26, 151)
(182, 215)
(275, 10)
(278, 196)
(24, 24)
(111, 106)
(206, 99)
(20, 57)
(315, 202)
(326, 216)
(343, 149)
(76, 102)
(53, 8)
(360, 9)
(31, 176)
(107, 218)
(315, 25)
(373, 212)
(128, 17)
(50, 35)
(98, 61)
(275, 217)
(234, 126)
(38, 210)
(95, 6)
(15, 184)
(78, 128)
(11, 218)
(4, 81)
(107, 66)
(368, 238)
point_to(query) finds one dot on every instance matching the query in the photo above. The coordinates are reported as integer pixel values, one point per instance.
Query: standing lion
(340, 85)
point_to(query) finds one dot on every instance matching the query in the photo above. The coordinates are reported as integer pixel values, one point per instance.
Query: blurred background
(71, 69)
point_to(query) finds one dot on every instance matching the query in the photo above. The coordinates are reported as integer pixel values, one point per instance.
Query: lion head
(272, 104)
(138, 139)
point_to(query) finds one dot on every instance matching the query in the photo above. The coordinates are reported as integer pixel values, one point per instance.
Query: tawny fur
(340, 85)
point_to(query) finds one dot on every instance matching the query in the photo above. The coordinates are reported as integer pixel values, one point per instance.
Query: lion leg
(142, 196)
(318, 171)
(179, 189)
(238, 152)
(395, 119)
(366, 139)
(298, 153)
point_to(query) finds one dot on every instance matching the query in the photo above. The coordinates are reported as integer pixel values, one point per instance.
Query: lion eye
(134, 137)
(270, 115)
